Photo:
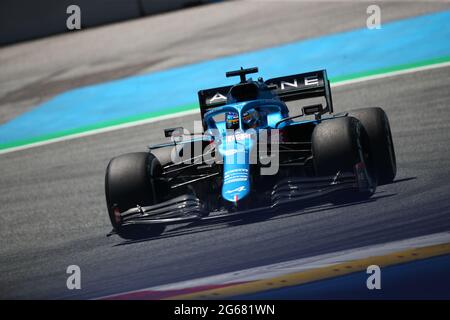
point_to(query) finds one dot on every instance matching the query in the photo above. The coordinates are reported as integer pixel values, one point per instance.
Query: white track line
(192, 112)
(102, 130)
(391, 74)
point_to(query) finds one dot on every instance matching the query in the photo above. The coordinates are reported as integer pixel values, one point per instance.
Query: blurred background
(24, 20)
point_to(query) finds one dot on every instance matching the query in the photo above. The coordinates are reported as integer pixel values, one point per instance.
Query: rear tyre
(376, 124)
(130, 180)
(338, 145)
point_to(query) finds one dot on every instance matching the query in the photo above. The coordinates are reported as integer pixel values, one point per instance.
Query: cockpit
(250, 119)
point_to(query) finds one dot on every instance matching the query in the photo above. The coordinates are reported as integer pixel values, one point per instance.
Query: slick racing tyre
(130, 180)
(338, 145)
(376, 124)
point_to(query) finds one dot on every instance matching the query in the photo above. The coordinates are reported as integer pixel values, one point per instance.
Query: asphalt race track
(53, 211)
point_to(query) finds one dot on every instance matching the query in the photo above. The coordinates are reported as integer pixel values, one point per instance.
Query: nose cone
(236, 183)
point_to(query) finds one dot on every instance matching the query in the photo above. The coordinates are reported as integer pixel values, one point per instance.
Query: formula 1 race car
(252, 156)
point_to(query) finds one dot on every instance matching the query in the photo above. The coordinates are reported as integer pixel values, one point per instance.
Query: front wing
(188, 208)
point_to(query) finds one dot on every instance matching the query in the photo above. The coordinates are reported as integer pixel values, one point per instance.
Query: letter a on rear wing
(212, 98)
(303, 86)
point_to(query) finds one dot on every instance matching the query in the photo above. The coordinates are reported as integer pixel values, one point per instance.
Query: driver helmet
(250, 118)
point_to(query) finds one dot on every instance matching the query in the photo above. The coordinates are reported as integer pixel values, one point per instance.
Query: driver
(250, 119)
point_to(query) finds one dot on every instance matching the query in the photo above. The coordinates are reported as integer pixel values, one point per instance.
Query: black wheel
(338, 145)
(376, 124)
(130, 180)
(335, 146)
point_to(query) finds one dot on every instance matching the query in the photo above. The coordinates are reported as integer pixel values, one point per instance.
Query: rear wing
(212, 98)
(288, 88)
(303, 86)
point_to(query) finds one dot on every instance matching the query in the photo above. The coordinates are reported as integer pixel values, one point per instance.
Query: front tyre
(376, 124)
(130, 180)
(341, 145)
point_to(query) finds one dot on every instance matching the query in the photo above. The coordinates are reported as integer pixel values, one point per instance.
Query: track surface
(52, 210)
(56, 213)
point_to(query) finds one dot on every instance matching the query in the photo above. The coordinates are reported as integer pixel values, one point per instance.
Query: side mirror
(170, 131)
(313, 109)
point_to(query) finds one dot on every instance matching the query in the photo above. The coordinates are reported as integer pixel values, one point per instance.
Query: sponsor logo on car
(230, 152)
(238, 189)
(238, 137)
